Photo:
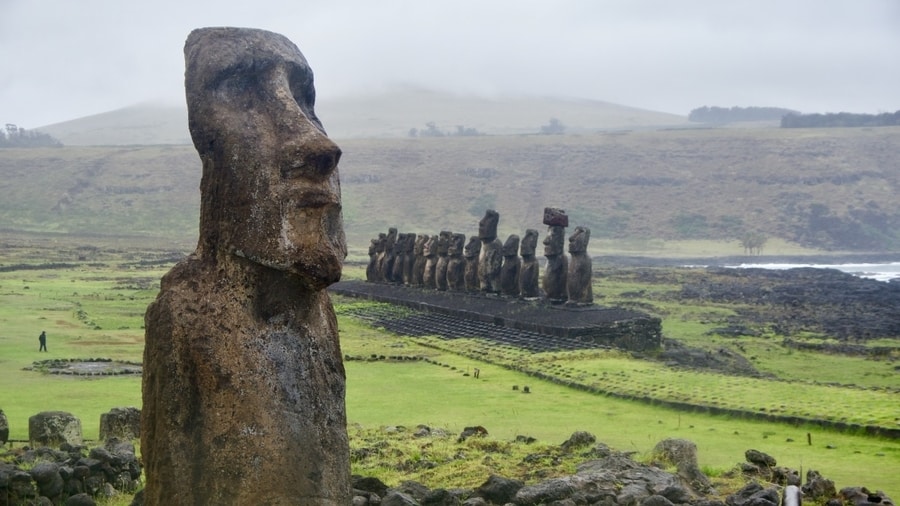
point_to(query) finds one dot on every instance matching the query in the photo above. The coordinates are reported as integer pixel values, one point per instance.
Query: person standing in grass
(43, 340)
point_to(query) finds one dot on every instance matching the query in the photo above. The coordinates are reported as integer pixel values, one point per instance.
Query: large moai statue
(243, 384)
(419, 264)
(443, 251)
(529, 273)
(580, 268)
(512, 264)
(372, 266)
(456, 267)
(378, 270)
(490, 259)
(387, 265)
(471, 253)
(399, 254)
(554, 281)
(409, 258)
(431, 257)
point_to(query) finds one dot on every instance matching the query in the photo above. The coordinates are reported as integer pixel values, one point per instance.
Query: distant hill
(386, 115)
(830, 189)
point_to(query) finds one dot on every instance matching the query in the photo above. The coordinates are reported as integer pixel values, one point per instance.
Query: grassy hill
(640, 188)
(828, 189)
(386, 115)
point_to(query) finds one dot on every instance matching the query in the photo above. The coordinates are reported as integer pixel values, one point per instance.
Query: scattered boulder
(759, 458)
(578, 439)
(468, 432)
(53, 428)
(396, 498)
(861, 496)
(683, 455)
(498, 490)
(754, 494)
(817, 487)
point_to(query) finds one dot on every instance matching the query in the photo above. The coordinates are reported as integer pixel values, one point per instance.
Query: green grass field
(94, 308)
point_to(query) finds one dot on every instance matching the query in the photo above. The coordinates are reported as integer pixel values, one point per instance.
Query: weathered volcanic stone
(529, 274)
(243, 386)
(557, 269)
(123, 423)
(490, 259)
(53, 428)
(580, 275)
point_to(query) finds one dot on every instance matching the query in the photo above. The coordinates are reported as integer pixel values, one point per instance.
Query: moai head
(554, 243)
(372, 247)
(529, 243)
(380, 242)
(270, 191)
(487, 227)
(431, 246)
(473, 247)
(390, 240)
(578, 241)
(457, 243)
(400, 244)
(443, 245)
(511, 246)
(410, 246)
(419, 249)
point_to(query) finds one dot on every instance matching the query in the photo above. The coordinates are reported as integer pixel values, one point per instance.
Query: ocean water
(880, 272)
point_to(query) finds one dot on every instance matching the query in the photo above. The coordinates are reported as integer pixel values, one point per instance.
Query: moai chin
(529, 273)
(554, 281)
(580, 269)
(243, 384)
(490, 259)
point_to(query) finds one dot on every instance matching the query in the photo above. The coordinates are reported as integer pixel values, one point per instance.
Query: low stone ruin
(486, 265)
(604, 477)
(71, 474)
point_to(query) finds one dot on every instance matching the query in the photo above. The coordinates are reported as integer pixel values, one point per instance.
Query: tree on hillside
(753, 241)
(554, 127)
(16, 137)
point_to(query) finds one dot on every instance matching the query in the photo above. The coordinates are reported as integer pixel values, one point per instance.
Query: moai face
(578, 241)
(554, 243)
(443, 245)
(457, 243)
(431, 246)
(511, 246)
(379, 243)
(400, 244)
(529, 243)
(487, 227)
(421, 239)
(473, 247)
(270, 190)
(390, 240)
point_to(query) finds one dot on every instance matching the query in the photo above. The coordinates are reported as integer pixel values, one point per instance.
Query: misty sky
(63, 59)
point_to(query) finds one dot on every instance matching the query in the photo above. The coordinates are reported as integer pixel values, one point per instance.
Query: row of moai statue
(446, 261)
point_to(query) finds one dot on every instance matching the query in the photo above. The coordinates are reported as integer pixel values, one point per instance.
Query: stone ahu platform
(557, 326)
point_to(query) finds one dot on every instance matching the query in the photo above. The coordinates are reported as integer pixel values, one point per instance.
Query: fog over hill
(387, 115)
